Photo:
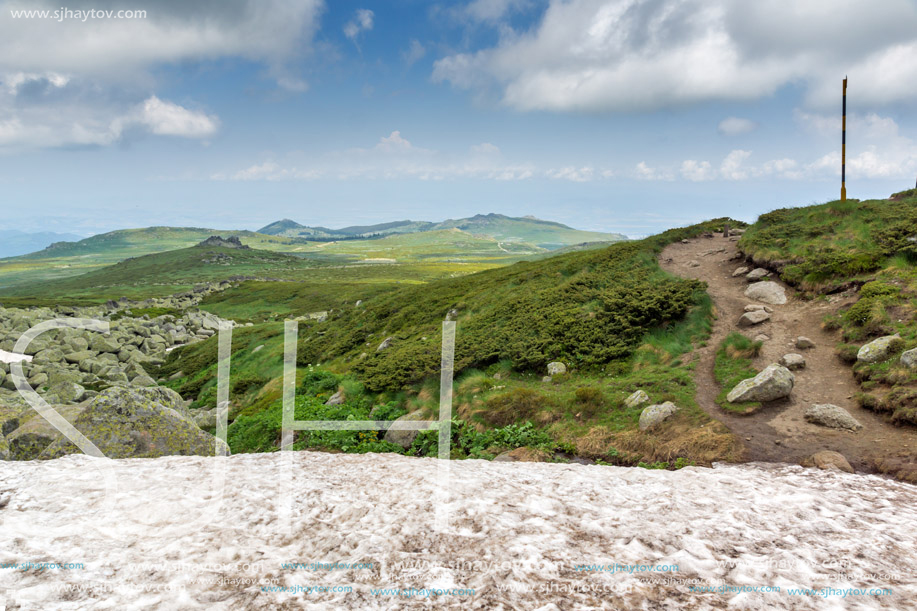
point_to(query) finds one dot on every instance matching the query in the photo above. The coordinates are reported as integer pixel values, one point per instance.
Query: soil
(778, 432)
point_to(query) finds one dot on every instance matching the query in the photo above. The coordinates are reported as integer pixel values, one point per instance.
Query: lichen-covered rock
(637, 399)
(34, 434)
(879, 349)
(767, 291)
(831, 416)
(828, 460)
(64, 393)
(793, 361)
(755, 317)
(654, 414)
(909, 358)
(556, 367)
(127, 423)
(402, 437)
(775, 382)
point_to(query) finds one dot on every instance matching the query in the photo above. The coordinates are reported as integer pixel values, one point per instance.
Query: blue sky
(615, 115)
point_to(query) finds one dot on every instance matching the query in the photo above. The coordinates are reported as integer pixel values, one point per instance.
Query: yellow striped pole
(844, 145)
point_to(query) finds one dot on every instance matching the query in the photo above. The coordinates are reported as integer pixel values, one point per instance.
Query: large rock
(775, 382)
(336, 399)
(793, 361)
(767, 291)
(79, 356)
(755, 317)
(831, 416)
(101, 343)
(637, 399)
(556, 367)
(909, 358)
(756, 274)
(654, 414)
(828, 460)
(879, 349)
(64, 393)
(404, 438)
(34, 434)
(125, 423)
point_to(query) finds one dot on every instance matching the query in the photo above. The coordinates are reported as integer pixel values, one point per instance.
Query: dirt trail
(778, 431)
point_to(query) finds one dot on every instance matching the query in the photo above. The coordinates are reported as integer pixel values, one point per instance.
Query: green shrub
(512, 406)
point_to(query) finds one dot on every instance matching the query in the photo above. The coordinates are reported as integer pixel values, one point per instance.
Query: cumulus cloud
(621, 55)
(167, 119)
(76, 83)
(642, 171)
(414, 52)
(583, 174)
(362, 22)
(697, 171)
(48, 111)
(735, 126)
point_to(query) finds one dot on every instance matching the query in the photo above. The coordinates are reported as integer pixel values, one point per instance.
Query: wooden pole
(844, 145)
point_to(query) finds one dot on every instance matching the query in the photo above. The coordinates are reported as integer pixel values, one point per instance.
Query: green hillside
(615, 334)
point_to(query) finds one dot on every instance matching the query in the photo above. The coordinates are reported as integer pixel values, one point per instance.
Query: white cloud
(644, 172)
(697, 171)
(735, 126)
(583, 174)
(269, 31)
(33, 116)
(75, 83)
(611, 55)
(167, 119)
(414, 53)
(731, 168)
(362, 22)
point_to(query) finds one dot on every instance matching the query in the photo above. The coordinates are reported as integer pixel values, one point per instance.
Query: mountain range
(545, 234)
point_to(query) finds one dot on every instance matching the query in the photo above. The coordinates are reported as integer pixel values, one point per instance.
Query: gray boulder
(829, 461)
(79, 356)
(775, 382)
(385, 344)
(654, 414)
(556, 367)
(336, 399)
(767, 291)
(831, 416)
(756, 274)
(755, 317)
(793, 361)
(125, 423)
(34, 434)
(101, 343)
(804, 343)
(65, 392)
(404, 438)
(637, 399)
(879, 349)
(740, 271)
(909, 358)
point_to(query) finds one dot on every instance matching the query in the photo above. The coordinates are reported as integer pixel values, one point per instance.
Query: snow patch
(527, 526)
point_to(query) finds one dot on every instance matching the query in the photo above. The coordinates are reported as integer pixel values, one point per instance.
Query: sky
(627, 116)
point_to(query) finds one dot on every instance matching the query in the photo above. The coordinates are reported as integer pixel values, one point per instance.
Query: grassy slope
(617, 334)
(861, 245)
